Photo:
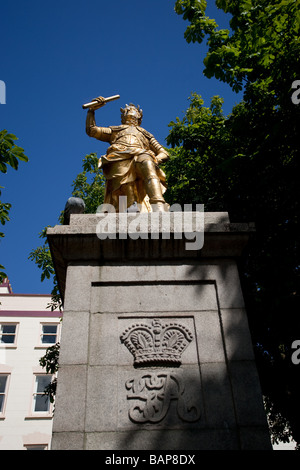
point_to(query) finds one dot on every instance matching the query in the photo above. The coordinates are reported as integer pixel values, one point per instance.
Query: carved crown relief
(157, 343)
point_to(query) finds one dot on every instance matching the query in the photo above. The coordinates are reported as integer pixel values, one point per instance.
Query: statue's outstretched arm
(100, 133)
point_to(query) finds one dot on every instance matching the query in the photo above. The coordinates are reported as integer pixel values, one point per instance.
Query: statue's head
(131, 114)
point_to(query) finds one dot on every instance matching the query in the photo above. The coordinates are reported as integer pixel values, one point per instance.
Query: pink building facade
(27, 329)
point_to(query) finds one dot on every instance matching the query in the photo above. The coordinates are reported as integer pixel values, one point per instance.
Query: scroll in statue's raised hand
(97, 103)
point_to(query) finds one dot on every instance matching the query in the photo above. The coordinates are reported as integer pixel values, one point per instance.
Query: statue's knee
(148, 169)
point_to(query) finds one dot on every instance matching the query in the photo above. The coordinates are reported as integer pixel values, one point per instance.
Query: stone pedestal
(156, 352)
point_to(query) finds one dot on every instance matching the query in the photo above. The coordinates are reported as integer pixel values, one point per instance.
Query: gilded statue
(131, 164)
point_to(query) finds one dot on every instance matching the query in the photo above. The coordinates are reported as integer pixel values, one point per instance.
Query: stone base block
(156, 352)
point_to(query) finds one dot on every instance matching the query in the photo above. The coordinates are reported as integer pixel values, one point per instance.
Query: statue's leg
(147, 171)
(129, 192)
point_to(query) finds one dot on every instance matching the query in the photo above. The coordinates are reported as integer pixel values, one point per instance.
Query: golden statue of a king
(131, 163)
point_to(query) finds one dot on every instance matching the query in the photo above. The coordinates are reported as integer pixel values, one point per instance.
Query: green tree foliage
(248, 163)
(89, 185)
(50, 362)
(262, 48)
(212, 163)
(196, 155)
(10, 155)
(42, 257)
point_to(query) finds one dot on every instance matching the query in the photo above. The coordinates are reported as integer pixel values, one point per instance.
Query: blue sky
(58, 55)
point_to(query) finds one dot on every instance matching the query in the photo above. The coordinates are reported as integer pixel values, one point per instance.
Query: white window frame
(46, 345)
(40, 414)
(7, 323)
(5, 393)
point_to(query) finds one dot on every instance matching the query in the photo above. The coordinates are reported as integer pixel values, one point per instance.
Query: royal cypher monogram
(157, 344)
(153, 393)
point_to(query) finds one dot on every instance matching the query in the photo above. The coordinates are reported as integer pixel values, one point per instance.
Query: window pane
(37, 447)
(8, 334)
(8, 328)
(49, 328)
(41, 403)
(49, 334)
(42, 382)
(8, 339)
(3, 379)
(1, 402)
(49, 339)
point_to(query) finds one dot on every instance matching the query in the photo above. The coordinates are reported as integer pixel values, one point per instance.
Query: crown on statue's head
(157, 343)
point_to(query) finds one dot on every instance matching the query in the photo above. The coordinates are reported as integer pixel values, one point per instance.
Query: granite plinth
(155, 349)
